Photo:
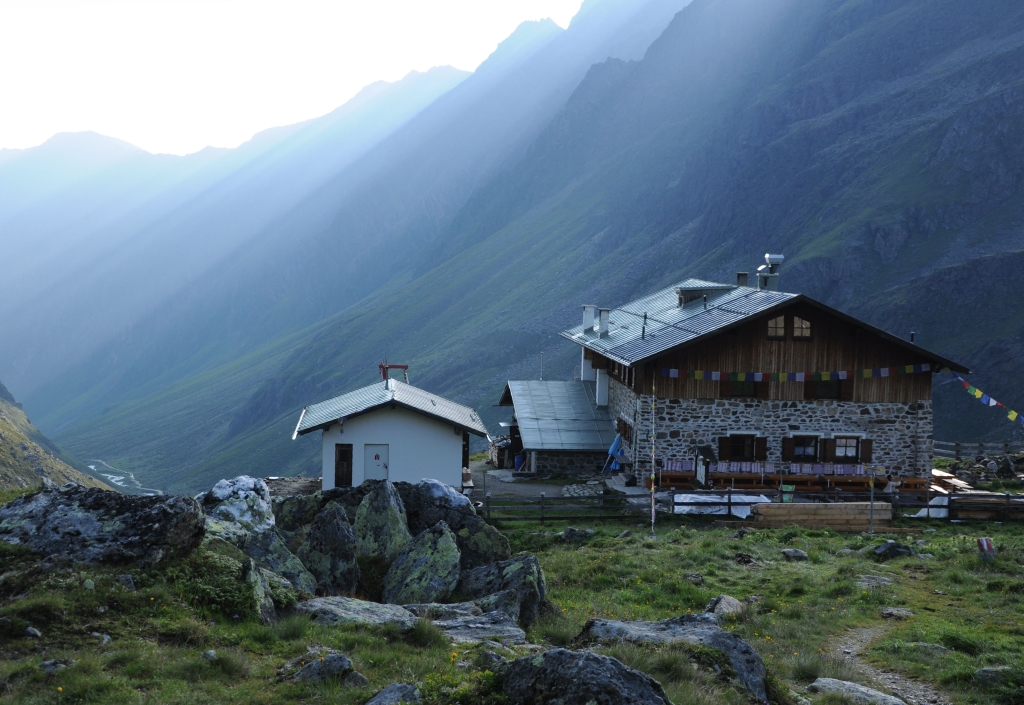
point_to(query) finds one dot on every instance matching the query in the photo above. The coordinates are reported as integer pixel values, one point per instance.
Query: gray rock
(571, 535)
(898, 613)
(725, 607)
(89, 584)
(329, 552)
(859, 694)
(794, 554)
(869, 582)
(209, 655)
(426, 570)
(435, 610)
(932, 648)
(242, 500)
(127, 582)
(329, 667)
(497, 626)
(355, 679)
(891, 549)
(625, 534)
(991, 676)
(506, 601)
(700, 629)
(577, 678)
(480, 543)
(33, 632)
(522, 574)
(395, 694)
(348, 610)
(695, 578)
(294, 515)
(258, 580)
(269, 551)
(98, 526)
(104, 638)
(5, 624)
(380, 526)
(489, 660)
(53, 666)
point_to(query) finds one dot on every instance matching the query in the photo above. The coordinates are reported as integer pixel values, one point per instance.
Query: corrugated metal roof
(669, 324)
(378, 394)
(556, 415)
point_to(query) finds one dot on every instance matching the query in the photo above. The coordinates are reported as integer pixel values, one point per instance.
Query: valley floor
(807, 619)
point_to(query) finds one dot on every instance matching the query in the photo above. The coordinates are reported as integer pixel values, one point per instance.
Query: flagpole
(654, 402)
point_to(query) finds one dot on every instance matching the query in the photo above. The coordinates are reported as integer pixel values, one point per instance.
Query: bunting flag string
(798, 376)
(989, 401)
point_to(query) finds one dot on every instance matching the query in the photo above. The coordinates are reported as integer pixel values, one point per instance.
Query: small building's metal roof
(555, 415)
(361, 401)
(670, 325)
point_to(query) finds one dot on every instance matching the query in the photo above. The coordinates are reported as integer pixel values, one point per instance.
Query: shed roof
(392, 391)
(555, 415)
(669, 325)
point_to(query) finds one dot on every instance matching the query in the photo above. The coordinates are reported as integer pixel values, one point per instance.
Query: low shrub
(425, 634)
(964, 643)
(213, 583)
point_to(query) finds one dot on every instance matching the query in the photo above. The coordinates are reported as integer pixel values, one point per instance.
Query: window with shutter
(724, 448)
(846, 449)
(805, 449)
(866, 447)
(741, 448)
(760, 449)
(828, 450)
(788, 448)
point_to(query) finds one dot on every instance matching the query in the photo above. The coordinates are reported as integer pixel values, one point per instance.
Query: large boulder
(395, 694)
(239, 513)
(294, 515)
(333, 611)
(698, 629)
(521, 574)
(480, 543)
(99, 526)
(493, 626)
(381, 528)
(506, 601)
(577, 678)
(329, 552)
(426, 570)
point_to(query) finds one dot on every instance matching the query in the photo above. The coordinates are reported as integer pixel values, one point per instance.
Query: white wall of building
(418, 446)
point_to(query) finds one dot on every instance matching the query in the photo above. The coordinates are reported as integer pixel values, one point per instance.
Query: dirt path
(850, 646)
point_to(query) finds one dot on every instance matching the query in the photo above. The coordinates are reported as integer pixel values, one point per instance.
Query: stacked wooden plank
(841, 516)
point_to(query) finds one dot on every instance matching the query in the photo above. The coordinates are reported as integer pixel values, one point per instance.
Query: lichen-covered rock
(270, 552)
(98, 526)
(480, 543)
(429, 501)
(293, 517)
(258, 582)
(396, 694)
(381, 528)
(506, 601)
(493, 626)
(426, 570)
(725, 607)
(853, 692)
(331, 611)
(699, 629)
(329, 552)
(329, 667)
(577, 678)
(437, 610)
(521, 574)
(243, 500)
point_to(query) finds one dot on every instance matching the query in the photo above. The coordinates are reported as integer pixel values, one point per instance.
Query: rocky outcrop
(294, 516)
(521, 574)
(699, 629)
(853, 692)
(329, 667)
(332, 611)
(329, 552)
(480, 543)
(381, 528)
(98, 526)
(395, 694)
(577, 678)
(426, 570)
(239, 513)
(725, 607)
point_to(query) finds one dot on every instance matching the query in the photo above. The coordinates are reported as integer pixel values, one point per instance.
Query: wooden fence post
(728, 501)
(541, 507)
(488, 505)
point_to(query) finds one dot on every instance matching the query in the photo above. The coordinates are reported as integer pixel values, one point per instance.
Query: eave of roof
(560, 416)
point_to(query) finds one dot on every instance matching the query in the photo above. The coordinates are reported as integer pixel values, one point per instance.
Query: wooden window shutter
(828, 450)
(810, 390)
(760, 448)
(788, 448)
(724, 448)
(866, 446)
(761, 390)
(846, 390)
(724, 389)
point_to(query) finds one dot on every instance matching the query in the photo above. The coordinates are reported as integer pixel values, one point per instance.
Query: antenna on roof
(385, 370)
(541, 365)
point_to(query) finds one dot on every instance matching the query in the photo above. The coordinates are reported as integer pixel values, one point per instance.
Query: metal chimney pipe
(741, 278)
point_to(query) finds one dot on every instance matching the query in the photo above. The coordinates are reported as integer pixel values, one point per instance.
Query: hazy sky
(178, 75)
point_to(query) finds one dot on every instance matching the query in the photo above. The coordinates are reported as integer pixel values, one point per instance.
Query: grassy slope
(158, 633)
(27, 456)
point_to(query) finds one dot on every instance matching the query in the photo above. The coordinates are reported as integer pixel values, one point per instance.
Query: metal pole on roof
(654, 403)
(541, 365)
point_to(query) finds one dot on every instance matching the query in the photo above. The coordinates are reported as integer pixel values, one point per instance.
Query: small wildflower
(59, 689)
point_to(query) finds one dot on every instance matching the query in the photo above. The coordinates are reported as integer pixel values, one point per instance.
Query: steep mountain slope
(27, 457)
(101, 235)
(877, 143)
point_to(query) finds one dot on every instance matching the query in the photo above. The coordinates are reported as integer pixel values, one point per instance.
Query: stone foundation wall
(901, 432)
(569, 462)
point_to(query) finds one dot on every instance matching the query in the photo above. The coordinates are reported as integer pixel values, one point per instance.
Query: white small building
(394, 431)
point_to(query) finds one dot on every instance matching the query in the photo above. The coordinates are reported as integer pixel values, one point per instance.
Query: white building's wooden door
(375, 462)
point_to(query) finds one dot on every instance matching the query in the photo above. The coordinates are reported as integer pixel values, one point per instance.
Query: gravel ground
(913, 692)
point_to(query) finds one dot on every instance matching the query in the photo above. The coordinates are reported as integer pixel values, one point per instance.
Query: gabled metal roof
(670, 325)
(361, 401)
(555, 415)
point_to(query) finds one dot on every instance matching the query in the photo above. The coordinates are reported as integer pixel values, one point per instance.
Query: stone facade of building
(569, 462)
(901, 432)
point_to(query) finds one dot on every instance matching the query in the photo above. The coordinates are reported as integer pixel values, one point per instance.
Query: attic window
(777, 328)
(801, 328)
(686, 296)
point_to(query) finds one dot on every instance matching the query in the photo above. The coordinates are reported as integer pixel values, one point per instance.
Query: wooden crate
(842, 516)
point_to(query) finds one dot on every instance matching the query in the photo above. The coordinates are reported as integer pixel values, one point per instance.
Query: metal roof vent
(768, 273)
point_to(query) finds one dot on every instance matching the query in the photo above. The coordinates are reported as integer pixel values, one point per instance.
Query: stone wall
(901, 432)
(569, 462)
